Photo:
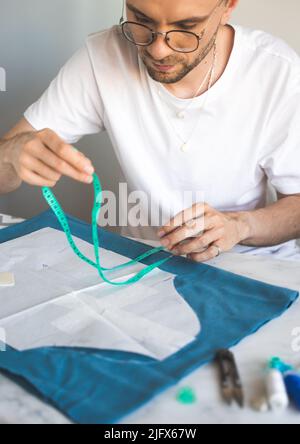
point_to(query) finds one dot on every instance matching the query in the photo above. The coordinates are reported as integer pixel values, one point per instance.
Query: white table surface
(274, 339)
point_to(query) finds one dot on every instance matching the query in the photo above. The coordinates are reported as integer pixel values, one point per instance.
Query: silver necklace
(182, 113)
(184, 142)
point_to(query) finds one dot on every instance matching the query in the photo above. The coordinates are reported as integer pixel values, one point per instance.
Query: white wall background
(38, 36)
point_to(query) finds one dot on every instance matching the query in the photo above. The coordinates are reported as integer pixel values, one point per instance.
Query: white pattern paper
(58, 300)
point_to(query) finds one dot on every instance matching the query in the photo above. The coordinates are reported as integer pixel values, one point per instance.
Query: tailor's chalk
(7, 279)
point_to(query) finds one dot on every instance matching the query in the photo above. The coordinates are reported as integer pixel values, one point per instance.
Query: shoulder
(272, 52)
(110, 45)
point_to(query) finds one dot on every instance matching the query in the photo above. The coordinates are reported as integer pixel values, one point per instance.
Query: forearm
(9, 180)
(275, 224)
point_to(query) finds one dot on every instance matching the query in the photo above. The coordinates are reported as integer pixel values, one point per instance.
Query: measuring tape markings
(62, 219)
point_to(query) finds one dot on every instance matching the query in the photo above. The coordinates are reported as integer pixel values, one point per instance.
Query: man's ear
(230, 7)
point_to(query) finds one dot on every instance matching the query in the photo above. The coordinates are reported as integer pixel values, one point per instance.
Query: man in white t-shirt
(191, 104)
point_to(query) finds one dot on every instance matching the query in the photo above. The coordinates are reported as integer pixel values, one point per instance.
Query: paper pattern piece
(59, 300)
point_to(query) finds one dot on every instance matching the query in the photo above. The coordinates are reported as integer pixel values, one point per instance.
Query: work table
(274, 339)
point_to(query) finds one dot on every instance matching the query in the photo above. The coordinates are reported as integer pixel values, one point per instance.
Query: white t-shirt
(247, 133)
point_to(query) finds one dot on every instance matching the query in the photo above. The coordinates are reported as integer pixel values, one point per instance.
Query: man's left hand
(202, 233)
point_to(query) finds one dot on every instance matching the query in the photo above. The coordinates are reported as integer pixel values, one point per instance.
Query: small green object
(186, 395)
(277, 363)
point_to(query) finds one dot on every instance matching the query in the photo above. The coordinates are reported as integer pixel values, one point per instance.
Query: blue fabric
(103, 386)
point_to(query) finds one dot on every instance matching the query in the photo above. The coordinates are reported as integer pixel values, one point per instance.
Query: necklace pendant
(180, 115)
(184, 148)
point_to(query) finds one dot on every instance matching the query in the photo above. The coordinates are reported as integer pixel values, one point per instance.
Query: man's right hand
(41, 158)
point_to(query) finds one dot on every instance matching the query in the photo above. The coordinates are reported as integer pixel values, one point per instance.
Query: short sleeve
(72, 105)
(281, 158)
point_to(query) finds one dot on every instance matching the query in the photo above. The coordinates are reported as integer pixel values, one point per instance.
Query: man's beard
(167, 78)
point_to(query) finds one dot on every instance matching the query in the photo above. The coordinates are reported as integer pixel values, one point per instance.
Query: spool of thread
(292, 382)
(276, 390)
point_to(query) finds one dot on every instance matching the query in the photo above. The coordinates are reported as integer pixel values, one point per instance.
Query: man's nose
(159, 49)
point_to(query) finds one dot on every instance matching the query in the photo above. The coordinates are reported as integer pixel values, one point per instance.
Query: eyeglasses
(179, 41)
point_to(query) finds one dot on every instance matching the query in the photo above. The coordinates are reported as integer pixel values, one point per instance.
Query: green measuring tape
(62, 219)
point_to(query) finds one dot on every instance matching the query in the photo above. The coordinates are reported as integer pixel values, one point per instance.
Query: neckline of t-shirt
(215, 88)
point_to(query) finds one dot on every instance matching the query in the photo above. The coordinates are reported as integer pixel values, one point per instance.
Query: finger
(187, 231)
(67, 152)
(199, 244)
(36, 180)
(196, 211)
(207, 255)
(58, 164)
(39, 168)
